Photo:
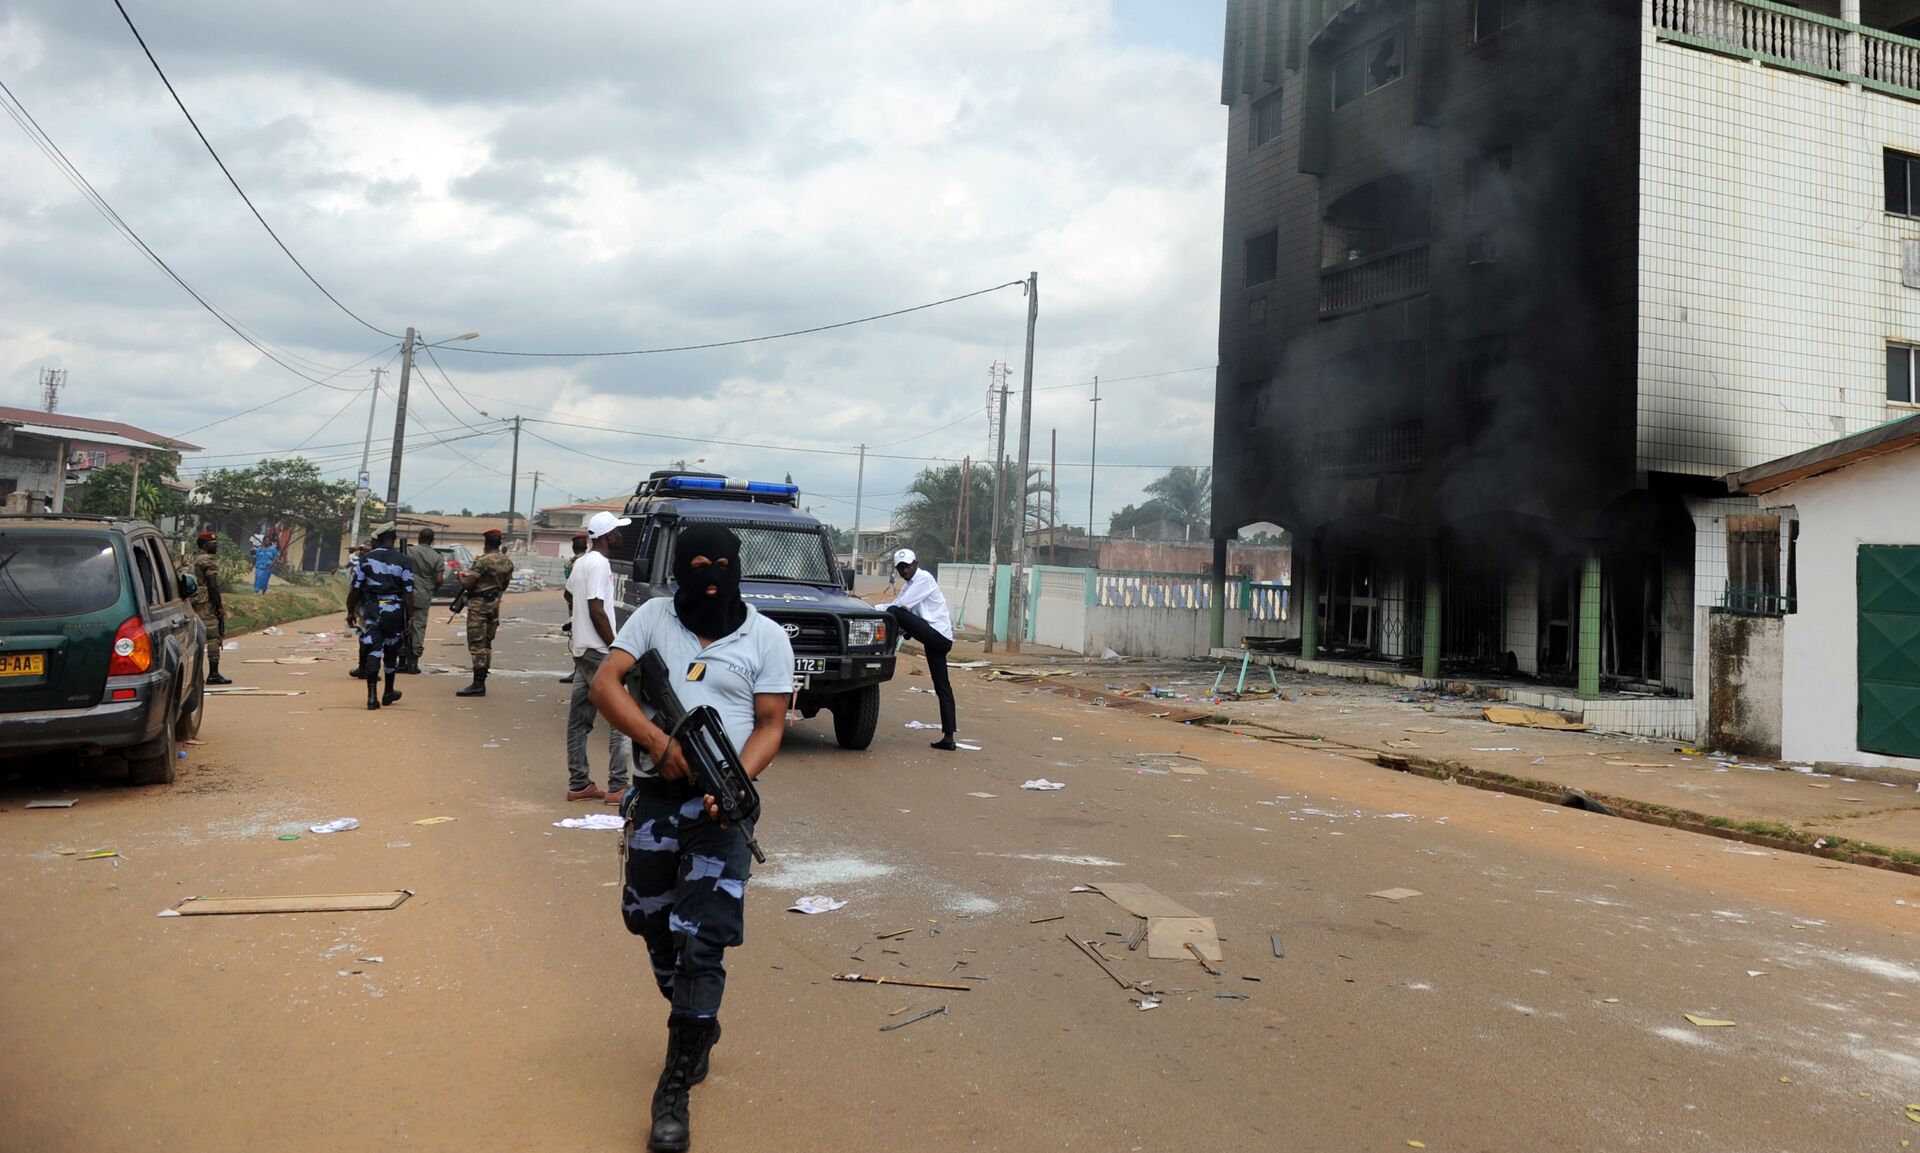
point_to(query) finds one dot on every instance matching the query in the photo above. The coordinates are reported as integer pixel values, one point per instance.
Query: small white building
(1849, 600)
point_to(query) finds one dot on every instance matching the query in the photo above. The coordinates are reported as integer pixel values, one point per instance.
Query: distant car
(100, 649)
(458, 558)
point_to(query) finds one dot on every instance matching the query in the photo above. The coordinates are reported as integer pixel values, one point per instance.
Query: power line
(66, 167)
(744, 339)
(456, 390)
(281, 397)
(236, 184)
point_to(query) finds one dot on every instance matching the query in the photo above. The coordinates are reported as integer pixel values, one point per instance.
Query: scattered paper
(341, 825)
(597, 821)
(815, 905)
(1396, 894)
(966, 746)
(922, 725)
(984, 796)
(1145, 1005)
(100, 855)
(435, 820)
(52, 804)
(1500, 749)
(1710, 1022)
(1531, 719)
(230, 647)
(1168, 938)
(168, 913)
(371, 960)
(1042, 784)
(1756, 972)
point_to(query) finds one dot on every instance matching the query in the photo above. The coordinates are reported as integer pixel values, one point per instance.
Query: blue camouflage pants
(683, 889)
(383, 633)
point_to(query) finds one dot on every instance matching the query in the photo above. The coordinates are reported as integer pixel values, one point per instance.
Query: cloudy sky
(582, 175)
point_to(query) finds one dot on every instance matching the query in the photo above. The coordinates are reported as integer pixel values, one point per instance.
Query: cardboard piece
(1531, 719)
(1141, 901)
(1168, 938)
(313, 903)
(1396, 894)
(52, 804)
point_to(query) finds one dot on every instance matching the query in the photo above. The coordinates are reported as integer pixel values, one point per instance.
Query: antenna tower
(50, 381)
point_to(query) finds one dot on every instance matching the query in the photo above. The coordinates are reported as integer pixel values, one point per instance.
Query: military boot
(213, 674)
(370, 672)
(479, 686)
(688, 1040)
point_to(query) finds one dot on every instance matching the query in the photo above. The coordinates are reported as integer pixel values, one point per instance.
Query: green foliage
(1184, 496)
(280, 492)
(108, 487)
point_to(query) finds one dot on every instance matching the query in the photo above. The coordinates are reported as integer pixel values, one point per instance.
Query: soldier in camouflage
(207, 603)
(426, 563)
(485, 581)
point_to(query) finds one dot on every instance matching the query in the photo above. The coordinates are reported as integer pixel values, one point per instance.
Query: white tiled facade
(1769, 269)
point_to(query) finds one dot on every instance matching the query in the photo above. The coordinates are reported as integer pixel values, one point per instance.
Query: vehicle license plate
(23, 664)
(809, 664)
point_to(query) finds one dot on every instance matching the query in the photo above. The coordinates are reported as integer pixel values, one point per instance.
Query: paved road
(1532, 997)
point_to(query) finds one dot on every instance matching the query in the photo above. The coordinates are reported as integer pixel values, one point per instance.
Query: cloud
(595, 175)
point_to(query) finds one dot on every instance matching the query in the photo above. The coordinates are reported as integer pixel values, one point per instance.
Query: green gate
(1889, 709)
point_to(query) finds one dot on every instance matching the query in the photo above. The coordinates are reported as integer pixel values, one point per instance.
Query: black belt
(483, 596)
(662, 789)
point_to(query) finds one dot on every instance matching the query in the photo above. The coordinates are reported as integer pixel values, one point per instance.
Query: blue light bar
(718, 484)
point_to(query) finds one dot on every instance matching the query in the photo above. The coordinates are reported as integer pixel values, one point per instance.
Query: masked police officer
(686, 874)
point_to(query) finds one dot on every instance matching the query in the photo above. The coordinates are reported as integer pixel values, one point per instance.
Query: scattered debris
(435, 820)
(1144, 1005)
(1043, 785)
(1172, 938)
(288, 837)
(1139, 934)
(1575, 799)
(1139, 900)
(921, 725)
(984, 796)
(1396, 894)
(371, 960)
(1198, 956)
(940, 1012)
(1279, 950)
(52, 804)
(597, 821)
(1531, 719)
(1710, 1022)
(892, 935)
(1093, 954)
(340, 825)
(102, 855)
(1499, 749)
(1429, 730)
(318, 903)
(1231, 997)
(250, 691)
(966, 746)
(815, 905)
(868, 980)
(1044, 920)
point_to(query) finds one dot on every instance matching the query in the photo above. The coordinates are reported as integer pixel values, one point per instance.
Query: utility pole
(859, 496)
(1017, 598)
(960, 511)
(366, 447)
(399, 425)
(1053, 501)
(999, 376)
(513, 479)
(133, 499)
(1093, 461)
(533, 505)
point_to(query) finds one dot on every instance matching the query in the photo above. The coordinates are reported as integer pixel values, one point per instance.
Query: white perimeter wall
(1769, 270)
(1877, 502)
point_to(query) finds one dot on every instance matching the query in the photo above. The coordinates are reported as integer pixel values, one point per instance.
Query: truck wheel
(855, 717)
(195, 710)
(152, 763)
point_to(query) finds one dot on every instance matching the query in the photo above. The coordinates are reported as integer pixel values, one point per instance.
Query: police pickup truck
(842, 647)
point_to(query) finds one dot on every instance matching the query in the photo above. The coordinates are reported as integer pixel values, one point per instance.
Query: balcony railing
(1790, 38)
(1370, 448)
(1373, 280)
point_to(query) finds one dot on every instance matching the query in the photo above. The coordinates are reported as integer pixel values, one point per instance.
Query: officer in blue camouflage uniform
(380, 598)
(685, 880)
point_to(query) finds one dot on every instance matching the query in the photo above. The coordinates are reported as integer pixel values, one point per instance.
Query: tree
(281, 492)
(108, 487)
(932, 510)
(1186, 493)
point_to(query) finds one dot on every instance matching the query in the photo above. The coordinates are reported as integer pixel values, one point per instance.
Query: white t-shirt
(592, 579)
(755, 658)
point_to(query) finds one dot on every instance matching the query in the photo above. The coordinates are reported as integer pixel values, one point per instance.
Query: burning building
(1509, 286)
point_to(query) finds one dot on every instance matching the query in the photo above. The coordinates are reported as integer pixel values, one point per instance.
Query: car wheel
(855, 717)
(195, 709)
(152, 763)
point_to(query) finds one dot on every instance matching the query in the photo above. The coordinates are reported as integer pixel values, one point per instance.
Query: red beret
(207, 536)
(493, 532)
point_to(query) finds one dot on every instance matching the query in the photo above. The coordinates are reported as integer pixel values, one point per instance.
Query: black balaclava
(719, 614)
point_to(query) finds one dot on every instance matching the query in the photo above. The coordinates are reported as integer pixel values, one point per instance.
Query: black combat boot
(392, 695)
(699, 1073)
(688, 1040)
(370, 672)
(214, 677)
(479, 686)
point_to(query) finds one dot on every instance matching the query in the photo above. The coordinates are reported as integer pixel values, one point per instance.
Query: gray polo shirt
(755, 658)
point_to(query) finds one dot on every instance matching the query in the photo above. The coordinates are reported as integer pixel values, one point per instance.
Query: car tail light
(132, 649)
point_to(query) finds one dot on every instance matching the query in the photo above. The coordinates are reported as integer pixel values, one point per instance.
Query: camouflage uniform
(494, 570)
(206, 602)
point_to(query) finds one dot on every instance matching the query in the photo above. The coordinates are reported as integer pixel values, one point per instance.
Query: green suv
(100, 649)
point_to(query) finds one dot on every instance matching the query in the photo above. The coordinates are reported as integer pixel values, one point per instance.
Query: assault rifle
(711, 757)
(459, 604)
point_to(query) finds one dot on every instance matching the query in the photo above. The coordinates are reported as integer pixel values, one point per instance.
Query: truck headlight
(862, 634)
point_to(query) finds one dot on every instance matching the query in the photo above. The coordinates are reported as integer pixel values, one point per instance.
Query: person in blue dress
(263, 557)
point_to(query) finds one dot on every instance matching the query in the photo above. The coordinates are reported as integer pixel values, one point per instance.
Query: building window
(1266, 120)
(1490, 16)
(1263, 258)
(1903, 383)
(1903, 183)
(1485, 359)
(1489, 181)
(1370, 67)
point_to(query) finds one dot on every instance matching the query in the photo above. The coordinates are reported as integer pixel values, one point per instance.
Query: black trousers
(937, 648)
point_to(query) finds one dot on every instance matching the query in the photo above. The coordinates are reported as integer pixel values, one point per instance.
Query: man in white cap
(590, 592)
(920, 612)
